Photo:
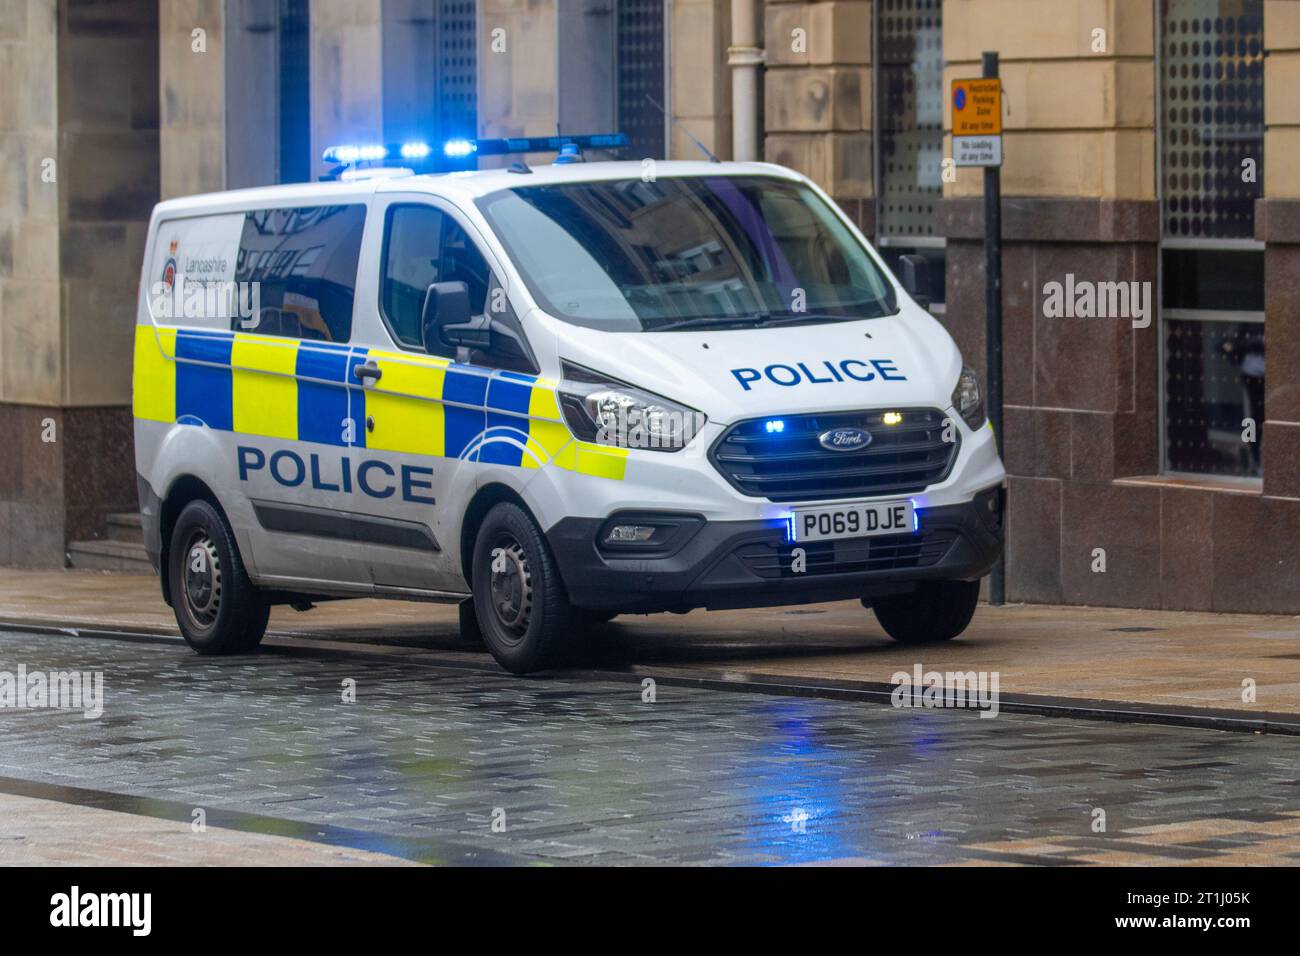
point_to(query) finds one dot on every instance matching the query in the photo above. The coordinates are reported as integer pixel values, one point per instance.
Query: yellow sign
(977, 107)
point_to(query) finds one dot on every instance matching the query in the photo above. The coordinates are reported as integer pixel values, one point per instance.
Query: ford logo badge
(845, 439)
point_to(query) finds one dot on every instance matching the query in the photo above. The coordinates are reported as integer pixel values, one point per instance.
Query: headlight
(966, 398)
(609, 412)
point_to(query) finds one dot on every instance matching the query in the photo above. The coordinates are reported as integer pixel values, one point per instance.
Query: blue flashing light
(350, 154)
(416, 152)
(916, 517)
(569, 153)
(774, 426)
(459, 148)
(788, 521)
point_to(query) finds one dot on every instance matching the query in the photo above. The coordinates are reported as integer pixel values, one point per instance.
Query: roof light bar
(415, 151)
(549, 144)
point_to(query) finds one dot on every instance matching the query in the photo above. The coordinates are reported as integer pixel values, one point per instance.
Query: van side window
(304, 262)
(422, 245)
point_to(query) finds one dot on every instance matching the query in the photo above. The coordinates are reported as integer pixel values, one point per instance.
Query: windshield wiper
(713, 322)
(762, 320)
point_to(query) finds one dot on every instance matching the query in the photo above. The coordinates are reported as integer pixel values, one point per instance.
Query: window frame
(446, 209)
(497, 276)
(880, 238)
(1164, 243)
(816, 198)
(347, 204)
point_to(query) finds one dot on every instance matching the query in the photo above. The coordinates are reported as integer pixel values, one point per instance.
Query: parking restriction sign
(977, 122)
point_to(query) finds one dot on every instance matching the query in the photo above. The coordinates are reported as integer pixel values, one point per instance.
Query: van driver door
(424, 411)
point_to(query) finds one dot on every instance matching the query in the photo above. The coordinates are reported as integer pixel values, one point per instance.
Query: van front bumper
(692, 563)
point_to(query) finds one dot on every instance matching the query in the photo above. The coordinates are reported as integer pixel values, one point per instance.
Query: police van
(551, 394)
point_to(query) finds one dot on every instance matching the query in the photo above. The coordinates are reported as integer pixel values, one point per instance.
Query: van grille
(856, 555)
(792, 465)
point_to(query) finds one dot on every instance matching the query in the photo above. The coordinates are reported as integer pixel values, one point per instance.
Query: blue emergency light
(568, 148)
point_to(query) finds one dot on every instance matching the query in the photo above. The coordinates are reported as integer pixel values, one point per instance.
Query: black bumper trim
(717, 569)
(150, 521)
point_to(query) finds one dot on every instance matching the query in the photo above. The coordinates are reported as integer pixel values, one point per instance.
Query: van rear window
(304, 262)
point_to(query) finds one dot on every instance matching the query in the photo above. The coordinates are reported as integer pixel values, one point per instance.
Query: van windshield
(687, 253)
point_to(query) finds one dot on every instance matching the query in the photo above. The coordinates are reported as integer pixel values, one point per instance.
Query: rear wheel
(936, 611)
(218, 609)
(522, 608)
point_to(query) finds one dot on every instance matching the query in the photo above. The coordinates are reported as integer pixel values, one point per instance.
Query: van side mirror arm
(445, 319)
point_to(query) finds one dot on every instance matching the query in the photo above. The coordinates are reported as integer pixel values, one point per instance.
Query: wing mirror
(445, 319)
(914, 274)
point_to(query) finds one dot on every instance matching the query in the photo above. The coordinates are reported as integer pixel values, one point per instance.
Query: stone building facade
(1138, 134)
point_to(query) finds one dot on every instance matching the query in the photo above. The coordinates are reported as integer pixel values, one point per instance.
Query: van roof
(459, 185)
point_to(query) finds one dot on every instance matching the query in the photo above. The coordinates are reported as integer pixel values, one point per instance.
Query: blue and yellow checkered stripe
(306, 391)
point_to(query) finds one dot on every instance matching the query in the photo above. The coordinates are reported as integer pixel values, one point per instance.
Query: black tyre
(218, 609)
(936, 611)
(522, 608)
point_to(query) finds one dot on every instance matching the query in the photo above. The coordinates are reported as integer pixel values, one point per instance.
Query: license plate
(854, 521)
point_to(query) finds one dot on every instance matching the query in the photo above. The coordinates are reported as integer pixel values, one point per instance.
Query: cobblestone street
(441, 764)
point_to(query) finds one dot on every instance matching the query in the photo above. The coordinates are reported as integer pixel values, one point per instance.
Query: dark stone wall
(1081, 437)
(59, 491)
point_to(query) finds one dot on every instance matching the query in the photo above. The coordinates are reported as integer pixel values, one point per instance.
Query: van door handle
(368, 371)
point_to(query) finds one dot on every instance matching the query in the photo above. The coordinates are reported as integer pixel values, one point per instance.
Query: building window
(909, 132)
(457, 75)
(295, 97)
(1211, 130)
(640, 72)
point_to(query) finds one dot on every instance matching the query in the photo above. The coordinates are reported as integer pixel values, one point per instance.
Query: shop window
(1211, 128)
(640, 77)
(909, 111)
(457, 76)
(295, 95)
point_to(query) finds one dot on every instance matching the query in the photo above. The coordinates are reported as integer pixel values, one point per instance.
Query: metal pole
(745, 58)
(993, 314)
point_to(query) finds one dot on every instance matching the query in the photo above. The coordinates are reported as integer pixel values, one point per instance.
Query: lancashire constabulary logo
(169, 270)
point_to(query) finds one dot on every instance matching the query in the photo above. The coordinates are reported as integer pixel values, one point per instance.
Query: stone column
(347, 77)
(699, 32)
(818, 94)
(1277, 223)
(78, 178)
(517, 70)
(192, 84)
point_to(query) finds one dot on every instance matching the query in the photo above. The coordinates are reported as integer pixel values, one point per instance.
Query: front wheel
(936, 611)
(217, 607)
(522, 608)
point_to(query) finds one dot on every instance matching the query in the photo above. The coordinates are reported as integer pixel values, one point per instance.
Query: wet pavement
(1160, 659)
(468, 765)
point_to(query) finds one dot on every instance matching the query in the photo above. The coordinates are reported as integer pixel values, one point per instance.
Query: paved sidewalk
(51, 833)
(1162, 658)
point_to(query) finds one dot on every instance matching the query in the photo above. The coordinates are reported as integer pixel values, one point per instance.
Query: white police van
(551, 394)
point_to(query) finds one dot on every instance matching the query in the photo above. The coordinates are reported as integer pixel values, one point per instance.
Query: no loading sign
(977, 122)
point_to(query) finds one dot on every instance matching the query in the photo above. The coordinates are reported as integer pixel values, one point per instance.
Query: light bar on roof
(548, 144)
(353, 154)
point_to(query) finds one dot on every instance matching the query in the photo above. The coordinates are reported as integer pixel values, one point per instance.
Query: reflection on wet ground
(468, 765)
